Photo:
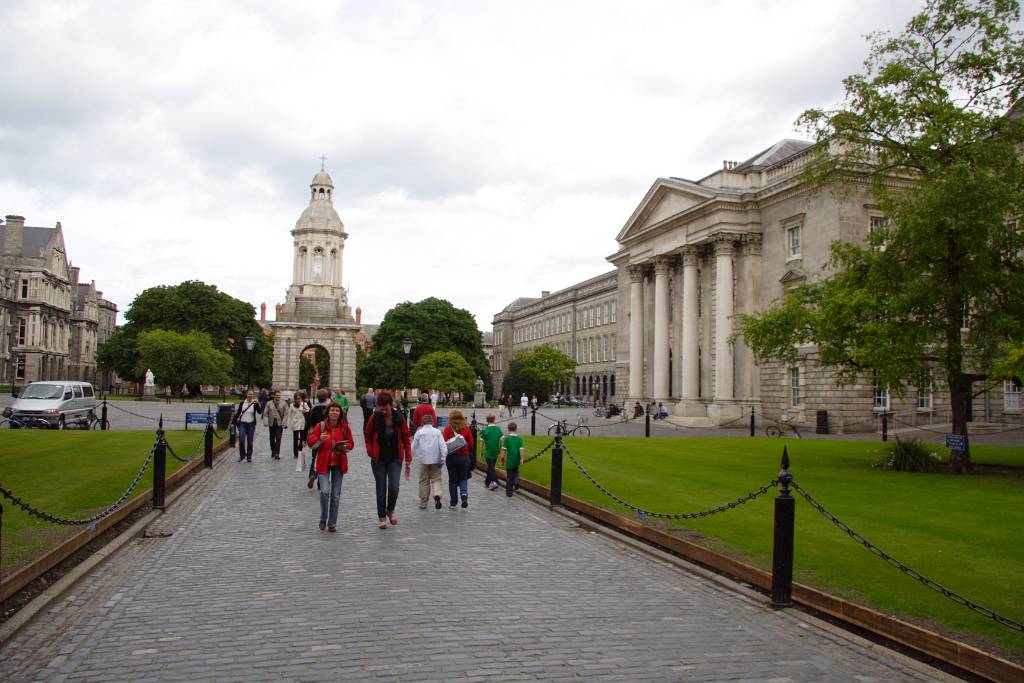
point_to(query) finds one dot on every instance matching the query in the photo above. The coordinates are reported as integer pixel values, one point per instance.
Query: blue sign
(198, 419)
(956, 442)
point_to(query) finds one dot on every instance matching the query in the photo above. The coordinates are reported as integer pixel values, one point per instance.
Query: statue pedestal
(148, 394)
(479, 400)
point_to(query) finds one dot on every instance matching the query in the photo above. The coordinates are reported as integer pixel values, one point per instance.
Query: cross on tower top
(323, 159)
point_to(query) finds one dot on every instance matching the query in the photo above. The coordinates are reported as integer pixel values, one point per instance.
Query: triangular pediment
(793, 276)
(667, 197)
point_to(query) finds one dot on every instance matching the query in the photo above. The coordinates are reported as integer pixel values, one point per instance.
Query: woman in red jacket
(332, 439)
(388, 444)
(458, 462)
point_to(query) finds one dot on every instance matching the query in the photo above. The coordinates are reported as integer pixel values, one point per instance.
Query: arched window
(318, 262)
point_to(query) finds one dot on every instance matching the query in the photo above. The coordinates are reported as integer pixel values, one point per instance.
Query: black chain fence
(937, 587)
(113, 404)
(36, 512)
(644, 513)
(538, 453)
(195, 451)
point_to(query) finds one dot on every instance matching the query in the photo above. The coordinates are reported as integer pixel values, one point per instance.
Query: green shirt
(491, 436)
(343, 400)
(512, 445)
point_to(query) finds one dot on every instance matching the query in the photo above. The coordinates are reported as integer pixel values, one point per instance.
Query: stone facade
(50, 325)
(694, 255)
(580, 321)
(316, 311)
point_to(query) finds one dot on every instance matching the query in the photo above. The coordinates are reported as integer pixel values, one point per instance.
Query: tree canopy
(177, 359)
(191, 306)
(536, 371)
(445, 371)
(933, 126)
(432, 325)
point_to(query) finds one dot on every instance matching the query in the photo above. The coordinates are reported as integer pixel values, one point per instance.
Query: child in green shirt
(511, 455)
(491, 437)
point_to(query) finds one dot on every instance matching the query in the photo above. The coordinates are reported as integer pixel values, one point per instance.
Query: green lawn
(964, 532)
(72, 474)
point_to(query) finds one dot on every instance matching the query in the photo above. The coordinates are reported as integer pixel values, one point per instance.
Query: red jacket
(467, 434)
(341, 434)
(402, 430)
(417, 415)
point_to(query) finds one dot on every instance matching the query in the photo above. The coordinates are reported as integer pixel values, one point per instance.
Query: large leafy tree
(177, 359)
(443, 370)
(432, 325)
(191, 305)
(536, 371)
(930, 127)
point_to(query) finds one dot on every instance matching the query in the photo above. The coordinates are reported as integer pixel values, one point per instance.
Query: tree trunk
(959, 393)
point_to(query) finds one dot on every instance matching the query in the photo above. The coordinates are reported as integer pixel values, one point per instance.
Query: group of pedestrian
(390, 443)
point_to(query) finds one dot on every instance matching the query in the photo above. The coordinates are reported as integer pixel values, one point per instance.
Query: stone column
(691, 357)
(723, 315)
(662, 267)
(636, 332)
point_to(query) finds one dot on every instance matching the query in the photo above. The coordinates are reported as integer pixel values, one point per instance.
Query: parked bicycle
(580, 429)
(782, 427)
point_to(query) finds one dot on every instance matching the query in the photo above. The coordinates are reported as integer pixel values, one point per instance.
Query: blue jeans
(387, 476)
(245, 434)
(330, 495)
(458, 476)
(492, 476)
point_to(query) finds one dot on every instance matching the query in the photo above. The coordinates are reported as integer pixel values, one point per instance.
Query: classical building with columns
(316, 313)
(693, 255)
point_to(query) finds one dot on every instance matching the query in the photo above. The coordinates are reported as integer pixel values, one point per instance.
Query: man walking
(429, 448)
(368, 402)
(424, 408)
(524, 403)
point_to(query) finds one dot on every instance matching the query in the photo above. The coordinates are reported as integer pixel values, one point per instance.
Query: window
(877, 223)
(1011, 396)
(924, 395)
(21, 330)
(19, 369)
(881, 397)
(24, 289)
(613, 315)
(794, 387)
(318, 262)
(793, 242)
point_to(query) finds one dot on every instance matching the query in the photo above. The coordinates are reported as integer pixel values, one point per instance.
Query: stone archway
(337, 341)
(314, 368)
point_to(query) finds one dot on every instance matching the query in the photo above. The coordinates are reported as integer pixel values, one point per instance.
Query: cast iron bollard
(753, 426)
(533, 423)
(556, 467)
(782, 548)
(208, 442)
(647, 422)
(1, 542)
(159, 467)
(885, 427)
(103, 416)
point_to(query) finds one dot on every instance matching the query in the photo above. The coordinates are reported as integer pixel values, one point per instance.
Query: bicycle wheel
(551, 429)
(773, 431)
(582, 430)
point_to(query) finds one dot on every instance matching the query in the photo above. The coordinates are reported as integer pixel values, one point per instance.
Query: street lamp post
(250, 344)
(407, 347)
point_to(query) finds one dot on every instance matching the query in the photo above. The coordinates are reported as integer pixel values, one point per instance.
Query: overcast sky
(480, 151)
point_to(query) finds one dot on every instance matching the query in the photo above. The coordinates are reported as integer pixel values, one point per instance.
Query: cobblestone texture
(248, 589)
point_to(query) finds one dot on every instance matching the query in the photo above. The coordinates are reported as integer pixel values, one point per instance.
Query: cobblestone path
(248, 589)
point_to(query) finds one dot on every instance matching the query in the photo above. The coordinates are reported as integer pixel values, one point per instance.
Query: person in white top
(245, 420)
(524, 404)
(433, 399)
(296, 421)
(429, 448)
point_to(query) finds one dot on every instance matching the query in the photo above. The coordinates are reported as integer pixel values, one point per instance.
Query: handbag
(455, 444)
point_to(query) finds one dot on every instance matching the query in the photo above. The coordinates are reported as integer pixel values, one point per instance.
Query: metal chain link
(667, 515)
(195, 450)
(35, 512)
(113, 404)
(538, 453)
(937, 587)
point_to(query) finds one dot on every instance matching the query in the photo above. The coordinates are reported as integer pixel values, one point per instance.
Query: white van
(54, 405)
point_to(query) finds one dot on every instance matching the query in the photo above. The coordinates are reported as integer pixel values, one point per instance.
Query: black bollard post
(753, 427)
(104, 425)
(533, 423)
(1, 542)
(885, 427)
(208, 441)
(556, 467)
(647, 422)
(159, 467)
(782, 548)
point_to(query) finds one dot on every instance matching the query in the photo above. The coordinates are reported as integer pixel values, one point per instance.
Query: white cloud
(481, 150)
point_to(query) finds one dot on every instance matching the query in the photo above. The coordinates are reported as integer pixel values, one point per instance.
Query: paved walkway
(248, 589)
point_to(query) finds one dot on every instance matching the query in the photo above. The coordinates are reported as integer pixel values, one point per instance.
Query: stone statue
(149, 377)
(479, 386)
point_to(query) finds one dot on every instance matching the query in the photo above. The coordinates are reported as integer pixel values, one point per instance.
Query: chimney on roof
(263, 312)
(359, 315)
(13, 234)
(277, 311)
(544, 292)
(729, 165)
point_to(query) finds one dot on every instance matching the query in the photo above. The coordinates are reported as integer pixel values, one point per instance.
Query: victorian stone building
(316, 313)
(693, 255)
(50, 324)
